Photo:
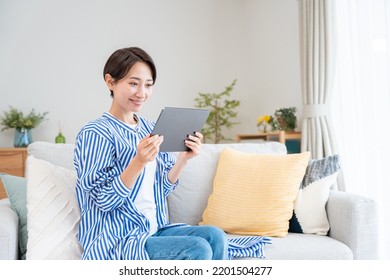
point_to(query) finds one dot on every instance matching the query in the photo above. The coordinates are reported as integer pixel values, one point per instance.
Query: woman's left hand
(194, 143)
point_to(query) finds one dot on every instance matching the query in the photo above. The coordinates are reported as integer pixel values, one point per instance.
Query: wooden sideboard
(280, 136)
(13, 162)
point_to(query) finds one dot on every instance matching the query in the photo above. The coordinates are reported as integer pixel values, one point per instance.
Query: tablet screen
(176, 123)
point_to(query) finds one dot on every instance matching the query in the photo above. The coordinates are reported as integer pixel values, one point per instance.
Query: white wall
(52, 55)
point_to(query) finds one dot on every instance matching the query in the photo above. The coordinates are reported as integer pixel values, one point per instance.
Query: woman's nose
(141, 90)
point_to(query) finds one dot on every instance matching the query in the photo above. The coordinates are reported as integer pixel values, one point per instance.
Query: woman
(123, 179)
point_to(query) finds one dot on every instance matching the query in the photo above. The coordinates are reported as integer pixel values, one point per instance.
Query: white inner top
(144, 200)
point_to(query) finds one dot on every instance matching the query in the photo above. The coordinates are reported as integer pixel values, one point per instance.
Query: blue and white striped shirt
(111, 227)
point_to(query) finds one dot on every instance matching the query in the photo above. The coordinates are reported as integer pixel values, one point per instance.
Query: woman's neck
(128, 118)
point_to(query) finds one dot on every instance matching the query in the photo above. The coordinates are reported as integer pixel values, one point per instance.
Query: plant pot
(22, 137)
(283, 125)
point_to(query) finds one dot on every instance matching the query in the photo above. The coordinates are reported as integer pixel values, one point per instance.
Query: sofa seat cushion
(297, 246)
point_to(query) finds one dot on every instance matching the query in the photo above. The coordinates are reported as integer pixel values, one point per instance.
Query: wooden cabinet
(13, 162)
(280, 136)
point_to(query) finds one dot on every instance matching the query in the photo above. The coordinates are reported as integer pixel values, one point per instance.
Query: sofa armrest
(9, 222)
(353, 220)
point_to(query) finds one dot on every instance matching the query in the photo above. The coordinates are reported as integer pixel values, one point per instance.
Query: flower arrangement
(263, 122)
(16, 119)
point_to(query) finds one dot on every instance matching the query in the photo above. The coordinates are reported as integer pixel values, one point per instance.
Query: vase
(263, 128)
(22, 137)
(60, 138)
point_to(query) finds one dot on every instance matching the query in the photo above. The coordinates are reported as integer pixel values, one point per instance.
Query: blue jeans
(188, 243)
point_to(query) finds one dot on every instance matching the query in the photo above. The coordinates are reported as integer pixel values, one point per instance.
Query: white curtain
(361, 103)
(317, 64)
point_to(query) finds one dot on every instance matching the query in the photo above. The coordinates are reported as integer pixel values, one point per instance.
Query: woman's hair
(121, 61)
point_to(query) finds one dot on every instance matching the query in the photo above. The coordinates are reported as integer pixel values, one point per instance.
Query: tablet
(176, 123)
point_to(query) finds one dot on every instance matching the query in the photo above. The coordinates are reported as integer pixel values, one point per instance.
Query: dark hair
(121, 61)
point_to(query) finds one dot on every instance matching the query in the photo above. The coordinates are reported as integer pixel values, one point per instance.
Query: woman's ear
(110, 81)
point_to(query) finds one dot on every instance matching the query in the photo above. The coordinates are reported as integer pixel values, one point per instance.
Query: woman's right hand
(147, 151)
(149, 147)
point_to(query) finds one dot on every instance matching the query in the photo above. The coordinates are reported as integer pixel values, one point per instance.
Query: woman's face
(131, 92)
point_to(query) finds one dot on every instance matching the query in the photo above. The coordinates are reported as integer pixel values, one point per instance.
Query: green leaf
(16, 119)
(222, 112)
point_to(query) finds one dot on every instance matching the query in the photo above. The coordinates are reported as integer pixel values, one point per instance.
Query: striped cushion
(309, 214)
(52, 211)
(254, 194)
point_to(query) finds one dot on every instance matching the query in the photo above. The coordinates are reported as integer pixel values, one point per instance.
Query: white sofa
(352, 218)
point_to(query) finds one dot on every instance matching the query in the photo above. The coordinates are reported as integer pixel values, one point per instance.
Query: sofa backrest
(189, 200)
(57, 154)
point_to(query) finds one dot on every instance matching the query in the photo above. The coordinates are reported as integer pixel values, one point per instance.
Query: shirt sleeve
(167, 161)
(98, 170)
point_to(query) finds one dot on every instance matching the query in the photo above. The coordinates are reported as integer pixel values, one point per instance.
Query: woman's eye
(133, 84)
(149, 85)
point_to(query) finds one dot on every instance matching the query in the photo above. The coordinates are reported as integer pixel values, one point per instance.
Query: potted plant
(286, 118)
(222, 111)
(22, 124)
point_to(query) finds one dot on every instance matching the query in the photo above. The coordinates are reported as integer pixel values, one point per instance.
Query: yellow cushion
(254, 194)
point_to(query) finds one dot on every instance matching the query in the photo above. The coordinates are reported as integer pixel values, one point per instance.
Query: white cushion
(189, 200)
(52, 212)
